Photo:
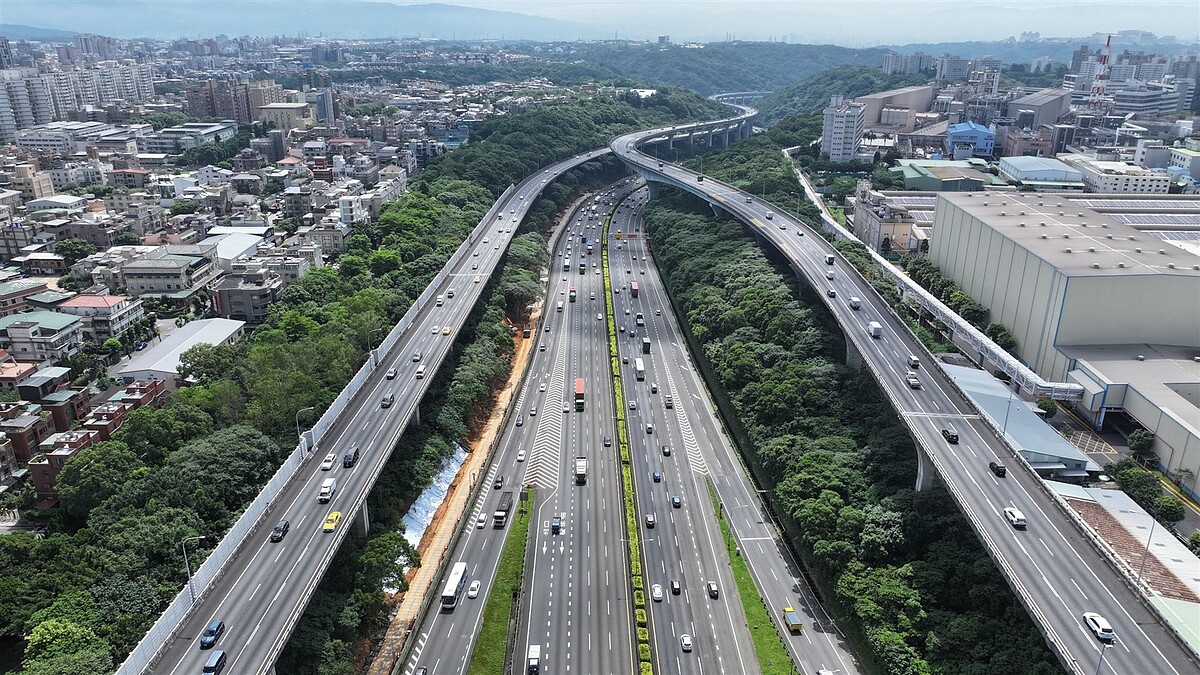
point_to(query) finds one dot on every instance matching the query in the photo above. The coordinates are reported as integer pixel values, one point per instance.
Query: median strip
(772, 655)
(490, 648)
(645, 664)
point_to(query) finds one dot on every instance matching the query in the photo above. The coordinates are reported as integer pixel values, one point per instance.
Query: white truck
(875, 329)
(328, 489)
(533, 662)
(855, 302)
(581, 470)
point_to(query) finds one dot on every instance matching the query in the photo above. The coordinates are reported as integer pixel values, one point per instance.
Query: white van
(328, 489)
(913, 362)
(421, 372)
(560, 306)
(440, 301)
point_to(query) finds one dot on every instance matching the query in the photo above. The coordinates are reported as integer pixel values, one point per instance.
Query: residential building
(31, 183)
(908, 64)
(968, 139)
(170, 272)
(1110, 177)
(238, 101)
(104, 316)
(952, 67)
(25, 425)
(62, 138)
(841, 130)
(14, 294)
(246, 296)
(52, 456)
(91, 172)
(161, 361)
(287, 116)
(330, 235)
(1187, 158)
(15, 235)
(25, 101)
(41, 336)
(67, 407)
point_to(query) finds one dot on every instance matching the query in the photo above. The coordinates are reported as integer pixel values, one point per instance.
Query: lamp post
(370, 349)
(298, 435)
(1099, 663)
(1146, 552)
(188, 566)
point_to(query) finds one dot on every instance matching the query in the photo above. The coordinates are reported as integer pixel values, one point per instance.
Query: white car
(520, 455)
(633, 405)
(685, 642)
(599, 317)
(435, 330)
(329, 461)
(1015, 517)
(481, 521)
(542, 387)
(1099, 626)
(473, 591)
(656, 592)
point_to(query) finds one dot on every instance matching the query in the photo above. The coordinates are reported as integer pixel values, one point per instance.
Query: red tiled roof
(94, 301)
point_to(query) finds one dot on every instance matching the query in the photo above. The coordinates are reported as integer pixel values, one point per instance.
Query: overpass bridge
(1054, 564)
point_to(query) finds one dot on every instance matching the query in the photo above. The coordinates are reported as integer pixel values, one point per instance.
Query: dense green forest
(83, 596)
(460, 75)
(718, 66)
(812, 94)
(920, 593)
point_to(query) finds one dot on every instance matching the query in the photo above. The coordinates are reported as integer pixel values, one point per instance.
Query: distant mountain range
(15, 31)
(329, 18)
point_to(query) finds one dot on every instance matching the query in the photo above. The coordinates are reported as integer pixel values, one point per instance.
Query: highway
(1055, 571)
(575, 605)
(266, 585)
(686, 542)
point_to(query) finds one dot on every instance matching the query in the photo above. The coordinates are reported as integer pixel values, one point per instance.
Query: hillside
(812, 94)
(719, 66)
(16, 31)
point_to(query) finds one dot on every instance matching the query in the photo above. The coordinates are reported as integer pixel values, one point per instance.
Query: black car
(608, 441)
(666, 451)
(350, 458)
(280, 530)
(676, 502)
(212, 633)
(498, 483)
(657, 476)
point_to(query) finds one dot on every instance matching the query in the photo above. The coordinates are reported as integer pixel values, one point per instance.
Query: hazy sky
(856, 23)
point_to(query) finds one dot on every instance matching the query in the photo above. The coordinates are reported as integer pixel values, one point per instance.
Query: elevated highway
(1051, 564)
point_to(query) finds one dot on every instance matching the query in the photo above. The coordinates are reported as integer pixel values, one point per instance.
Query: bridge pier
(708, 139)
(362, 523)
(720, 212)
(651, 187)
(726, 135)
(854, 357)
(927, 477)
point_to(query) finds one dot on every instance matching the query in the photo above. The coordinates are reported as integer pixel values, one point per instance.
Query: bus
(566, 264)
(579, 393)
(454, 585)
(639, 369)
(573, 294)
(633, 289)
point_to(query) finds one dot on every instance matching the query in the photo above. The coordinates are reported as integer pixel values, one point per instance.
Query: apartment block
(172, 271)
(246, 296)
(14, 295)
(842, 129)
(31, 183)
(907, 63)
(41, 335)
(26, 426)
(288, 116)
(52, 456)
(238, 101)
(104, 316)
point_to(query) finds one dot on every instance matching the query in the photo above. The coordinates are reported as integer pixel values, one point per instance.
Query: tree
(999, 333)
(93, 475)
(185, 207)
(1047, 406)
(208, 363)
(112, 345)
(1168, 510)
(1193, 542)
(73, 250)
(127, 238)
(1141, 444)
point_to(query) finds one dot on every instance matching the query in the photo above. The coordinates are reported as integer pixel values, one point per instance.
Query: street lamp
(299, 436)
(1099, 663)
(1146, 552)
(188, 566)
(370, 349)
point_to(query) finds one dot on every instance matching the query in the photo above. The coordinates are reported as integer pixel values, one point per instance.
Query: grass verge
(772, 656)
(488, 658)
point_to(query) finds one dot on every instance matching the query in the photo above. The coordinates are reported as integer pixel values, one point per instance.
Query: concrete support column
(854, 358)
(362, 523)
(652, 188)
(927, 477)
(708, 139)
(416, 418)
(720, 212)
(726, 135)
